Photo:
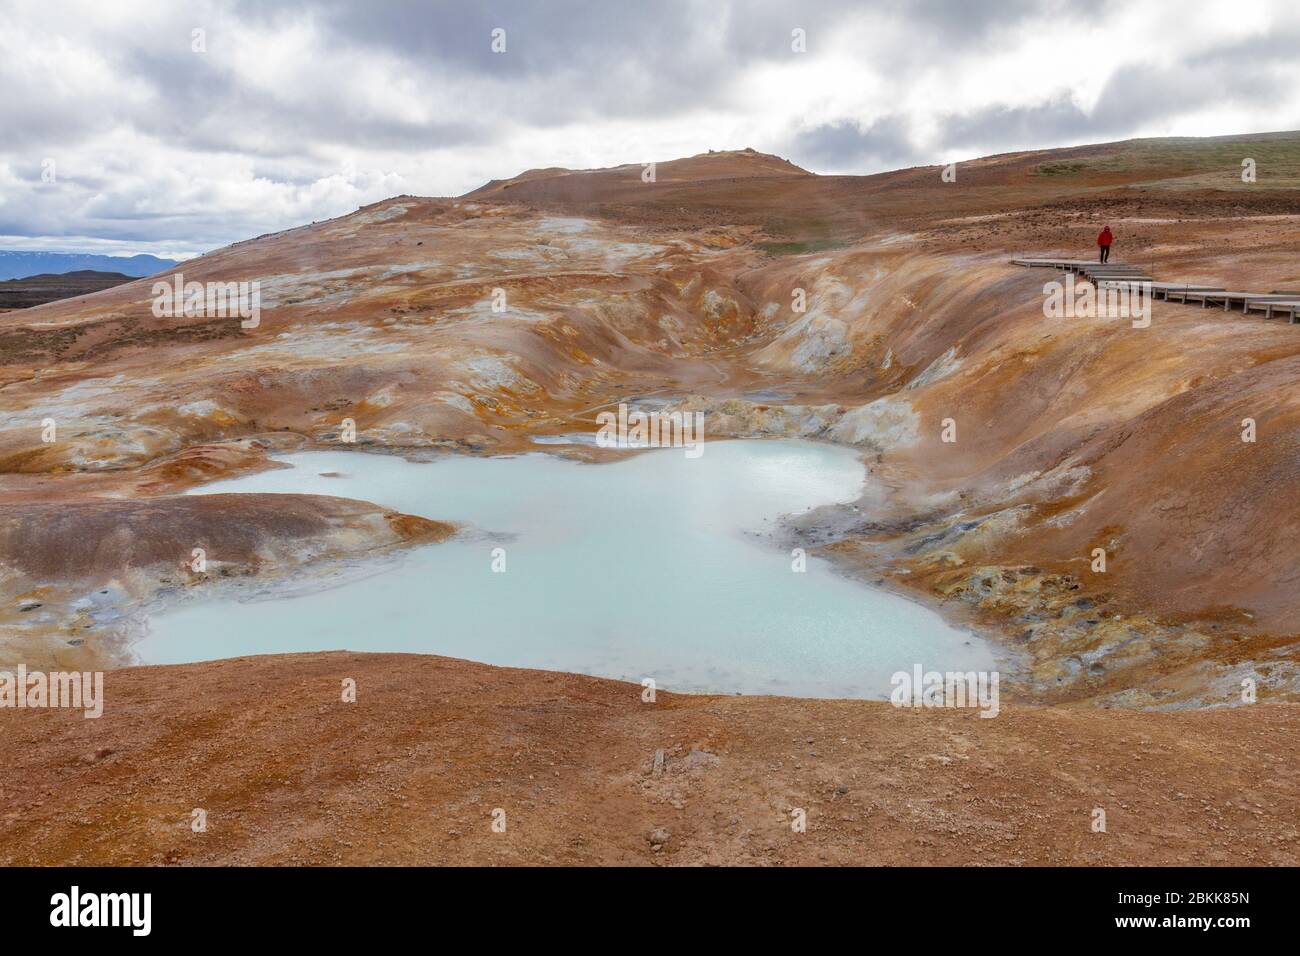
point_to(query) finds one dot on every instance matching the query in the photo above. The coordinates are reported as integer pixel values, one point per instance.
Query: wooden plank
(1162, 290)
(1270, 305)
(1248, 303)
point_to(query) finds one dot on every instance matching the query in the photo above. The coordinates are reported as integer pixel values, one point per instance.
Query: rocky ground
(586, 773)
(467, 326)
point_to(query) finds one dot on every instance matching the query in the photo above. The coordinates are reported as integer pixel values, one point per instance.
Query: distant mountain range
(20, 265)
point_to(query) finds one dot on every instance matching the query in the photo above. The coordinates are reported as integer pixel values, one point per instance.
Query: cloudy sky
(123, 130)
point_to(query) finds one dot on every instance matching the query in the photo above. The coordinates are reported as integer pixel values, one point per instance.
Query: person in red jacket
(1104, 241)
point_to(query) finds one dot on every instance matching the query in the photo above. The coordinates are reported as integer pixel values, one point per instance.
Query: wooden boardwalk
(1275, 304)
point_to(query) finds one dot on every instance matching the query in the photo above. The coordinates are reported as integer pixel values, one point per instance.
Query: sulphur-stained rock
(414, 528)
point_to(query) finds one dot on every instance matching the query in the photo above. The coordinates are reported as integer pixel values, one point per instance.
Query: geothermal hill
(472, 324)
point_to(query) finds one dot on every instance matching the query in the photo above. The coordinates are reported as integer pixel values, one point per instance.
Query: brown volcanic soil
(1072, 435)
(411, 773)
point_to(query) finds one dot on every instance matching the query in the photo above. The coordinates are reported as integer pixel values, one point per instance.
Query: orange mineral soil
(1071, 435)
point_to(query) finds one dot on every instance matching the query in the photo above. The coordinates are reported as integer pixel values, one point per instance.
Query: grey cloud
(1235, 74)
(574, 59)
(1138, 93)
(1058, 120)
(973, 21)
(845, 146)
(570, 60)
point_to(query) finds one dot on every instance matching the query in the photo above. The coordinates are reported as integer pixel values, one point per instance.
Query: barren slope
(412, 772)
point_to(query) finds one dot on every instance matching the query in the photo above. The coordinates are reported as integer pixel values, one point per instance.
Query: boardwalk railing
(1276, 303)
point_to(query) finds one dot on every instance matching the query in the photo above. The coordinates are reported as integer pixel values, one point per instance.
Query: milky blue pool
(645, 567)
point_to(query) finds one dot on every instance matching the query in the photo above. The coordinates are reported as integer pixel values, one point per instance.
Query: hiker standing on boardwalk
(1104, 241)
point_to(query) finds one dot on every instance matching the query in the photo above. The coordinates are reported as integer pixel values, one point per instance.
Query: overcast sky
(293, 111)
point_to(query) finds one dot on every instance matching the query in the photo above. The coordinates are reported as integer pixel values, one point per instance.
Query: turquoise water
(654, 566)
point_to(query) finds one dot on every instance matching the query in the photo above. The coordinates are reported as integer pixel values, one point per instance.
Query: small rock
(695, 760)
(659, 836)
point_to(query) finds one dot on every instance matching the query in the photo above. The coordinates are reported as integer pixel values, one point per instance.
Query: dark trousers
(1105, 253)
